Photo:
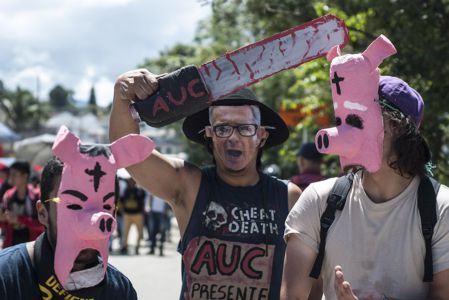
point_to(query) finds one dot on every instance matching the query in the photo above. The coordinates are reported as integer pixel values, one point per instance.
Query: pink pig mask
(85, 211)
(359, 134)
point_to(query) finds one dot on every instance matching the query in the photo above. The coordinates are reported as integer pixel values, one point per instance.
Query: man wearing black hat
(231, 216)
(309, 164)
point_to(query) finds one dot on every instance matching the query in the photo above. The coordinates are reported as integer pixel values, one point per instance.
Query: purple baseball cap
(401, 95)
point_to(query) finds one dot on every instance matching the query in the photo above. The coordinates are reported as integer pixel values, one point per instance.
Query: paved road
(153, 277)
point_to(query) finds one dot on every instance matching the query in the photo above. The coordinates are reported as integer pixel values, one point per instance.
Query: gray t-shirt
(380, 246)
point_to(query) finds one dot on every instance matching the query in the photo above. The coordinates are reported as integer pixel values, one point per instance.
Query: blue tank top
(233, 246)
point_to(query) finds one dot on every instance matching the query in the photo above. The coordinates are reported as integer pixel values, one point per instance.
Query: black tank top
(233, 246)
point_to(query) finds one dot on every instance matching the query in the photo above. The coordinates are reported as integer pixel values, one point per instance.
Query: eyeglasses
(226, 130)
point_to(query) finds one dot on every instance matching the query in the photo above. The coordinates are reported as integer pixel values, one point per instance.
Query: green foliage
(418, 29)
(59, 97)
(23, 111)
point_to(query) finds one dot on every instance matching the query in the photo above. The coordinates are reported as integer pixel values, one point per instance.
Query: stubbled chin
(235, 170)
(232, 162)
(234, 166)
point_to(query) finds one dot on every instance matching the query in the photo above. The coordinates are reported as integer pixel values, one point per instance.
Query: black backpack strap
(427, 196)
(335, 200)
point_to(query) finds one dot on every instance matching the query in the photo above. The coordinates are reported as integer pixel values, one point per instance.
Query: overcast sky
(80, 43)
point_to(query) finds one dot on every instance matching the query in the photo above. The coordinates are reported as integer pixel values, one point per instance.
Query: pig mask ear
(131, 149)
(333, 53)
(378, 50)
(66, 145)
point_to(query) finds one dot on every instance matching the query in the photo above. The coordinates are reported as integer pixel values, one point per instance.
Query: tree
(418, 29)
(59, 97)
(23, 111)
(2, 88)
(93, 102)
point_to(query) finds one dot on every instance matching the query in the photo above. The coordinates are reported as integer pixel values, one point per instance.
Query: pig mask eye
(106, 198)
(354, 121)
(74, 207)
(78, 195)
(107, 207)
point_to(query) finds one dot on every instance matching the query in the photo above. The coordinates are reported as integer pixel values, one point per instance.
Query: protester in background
(169, 217)
(309, 162)
(4, 172)
(132, 203)
(158, 219)
(19, 203)
(4, 186)
(122, 184)
(147, 215)
(4, 182)
(35, 180)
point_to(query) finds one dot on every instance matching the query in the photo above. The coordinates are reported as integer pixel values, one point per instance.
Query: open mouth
(234, 153)
(87, 255)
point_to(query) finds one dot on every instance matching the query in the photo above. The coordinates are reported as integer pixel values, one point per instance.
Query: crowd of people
(379, 231)
(18, 215)
(146, 212)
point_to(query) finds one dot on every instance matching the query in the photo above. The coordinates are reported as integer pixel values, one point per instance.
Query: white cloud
(82, 89)
(36, 79)
(98, 3)
(85, 42)
(104, 87)
(104, 91)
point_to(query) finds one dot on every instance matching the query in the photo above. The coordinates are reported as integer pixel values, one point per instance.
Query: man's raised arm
(157, 173)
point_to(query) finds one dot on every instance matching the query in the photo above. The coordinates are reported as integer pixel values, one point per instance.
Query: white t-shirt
(379, 245)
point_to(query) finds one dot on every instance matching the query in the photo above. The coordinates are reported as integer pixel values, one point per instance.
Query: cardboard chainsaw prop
(191, 89)
(359, 134)
(85, 211)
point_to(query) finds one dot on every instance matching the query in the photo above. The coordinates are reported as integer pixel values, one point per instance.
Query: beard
(51, 233)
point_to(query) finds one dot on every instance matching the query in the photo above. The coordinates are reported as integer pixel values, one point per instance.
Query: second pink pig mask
(359, 132)
(85, 213)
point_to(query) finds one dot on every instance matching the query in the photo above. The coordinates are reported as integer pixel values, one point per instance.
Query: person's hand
(344, 291)
(134, 85)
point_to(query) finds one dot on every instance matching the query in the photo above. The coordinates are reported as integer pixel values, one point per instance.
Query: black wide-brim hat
(193, 125)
